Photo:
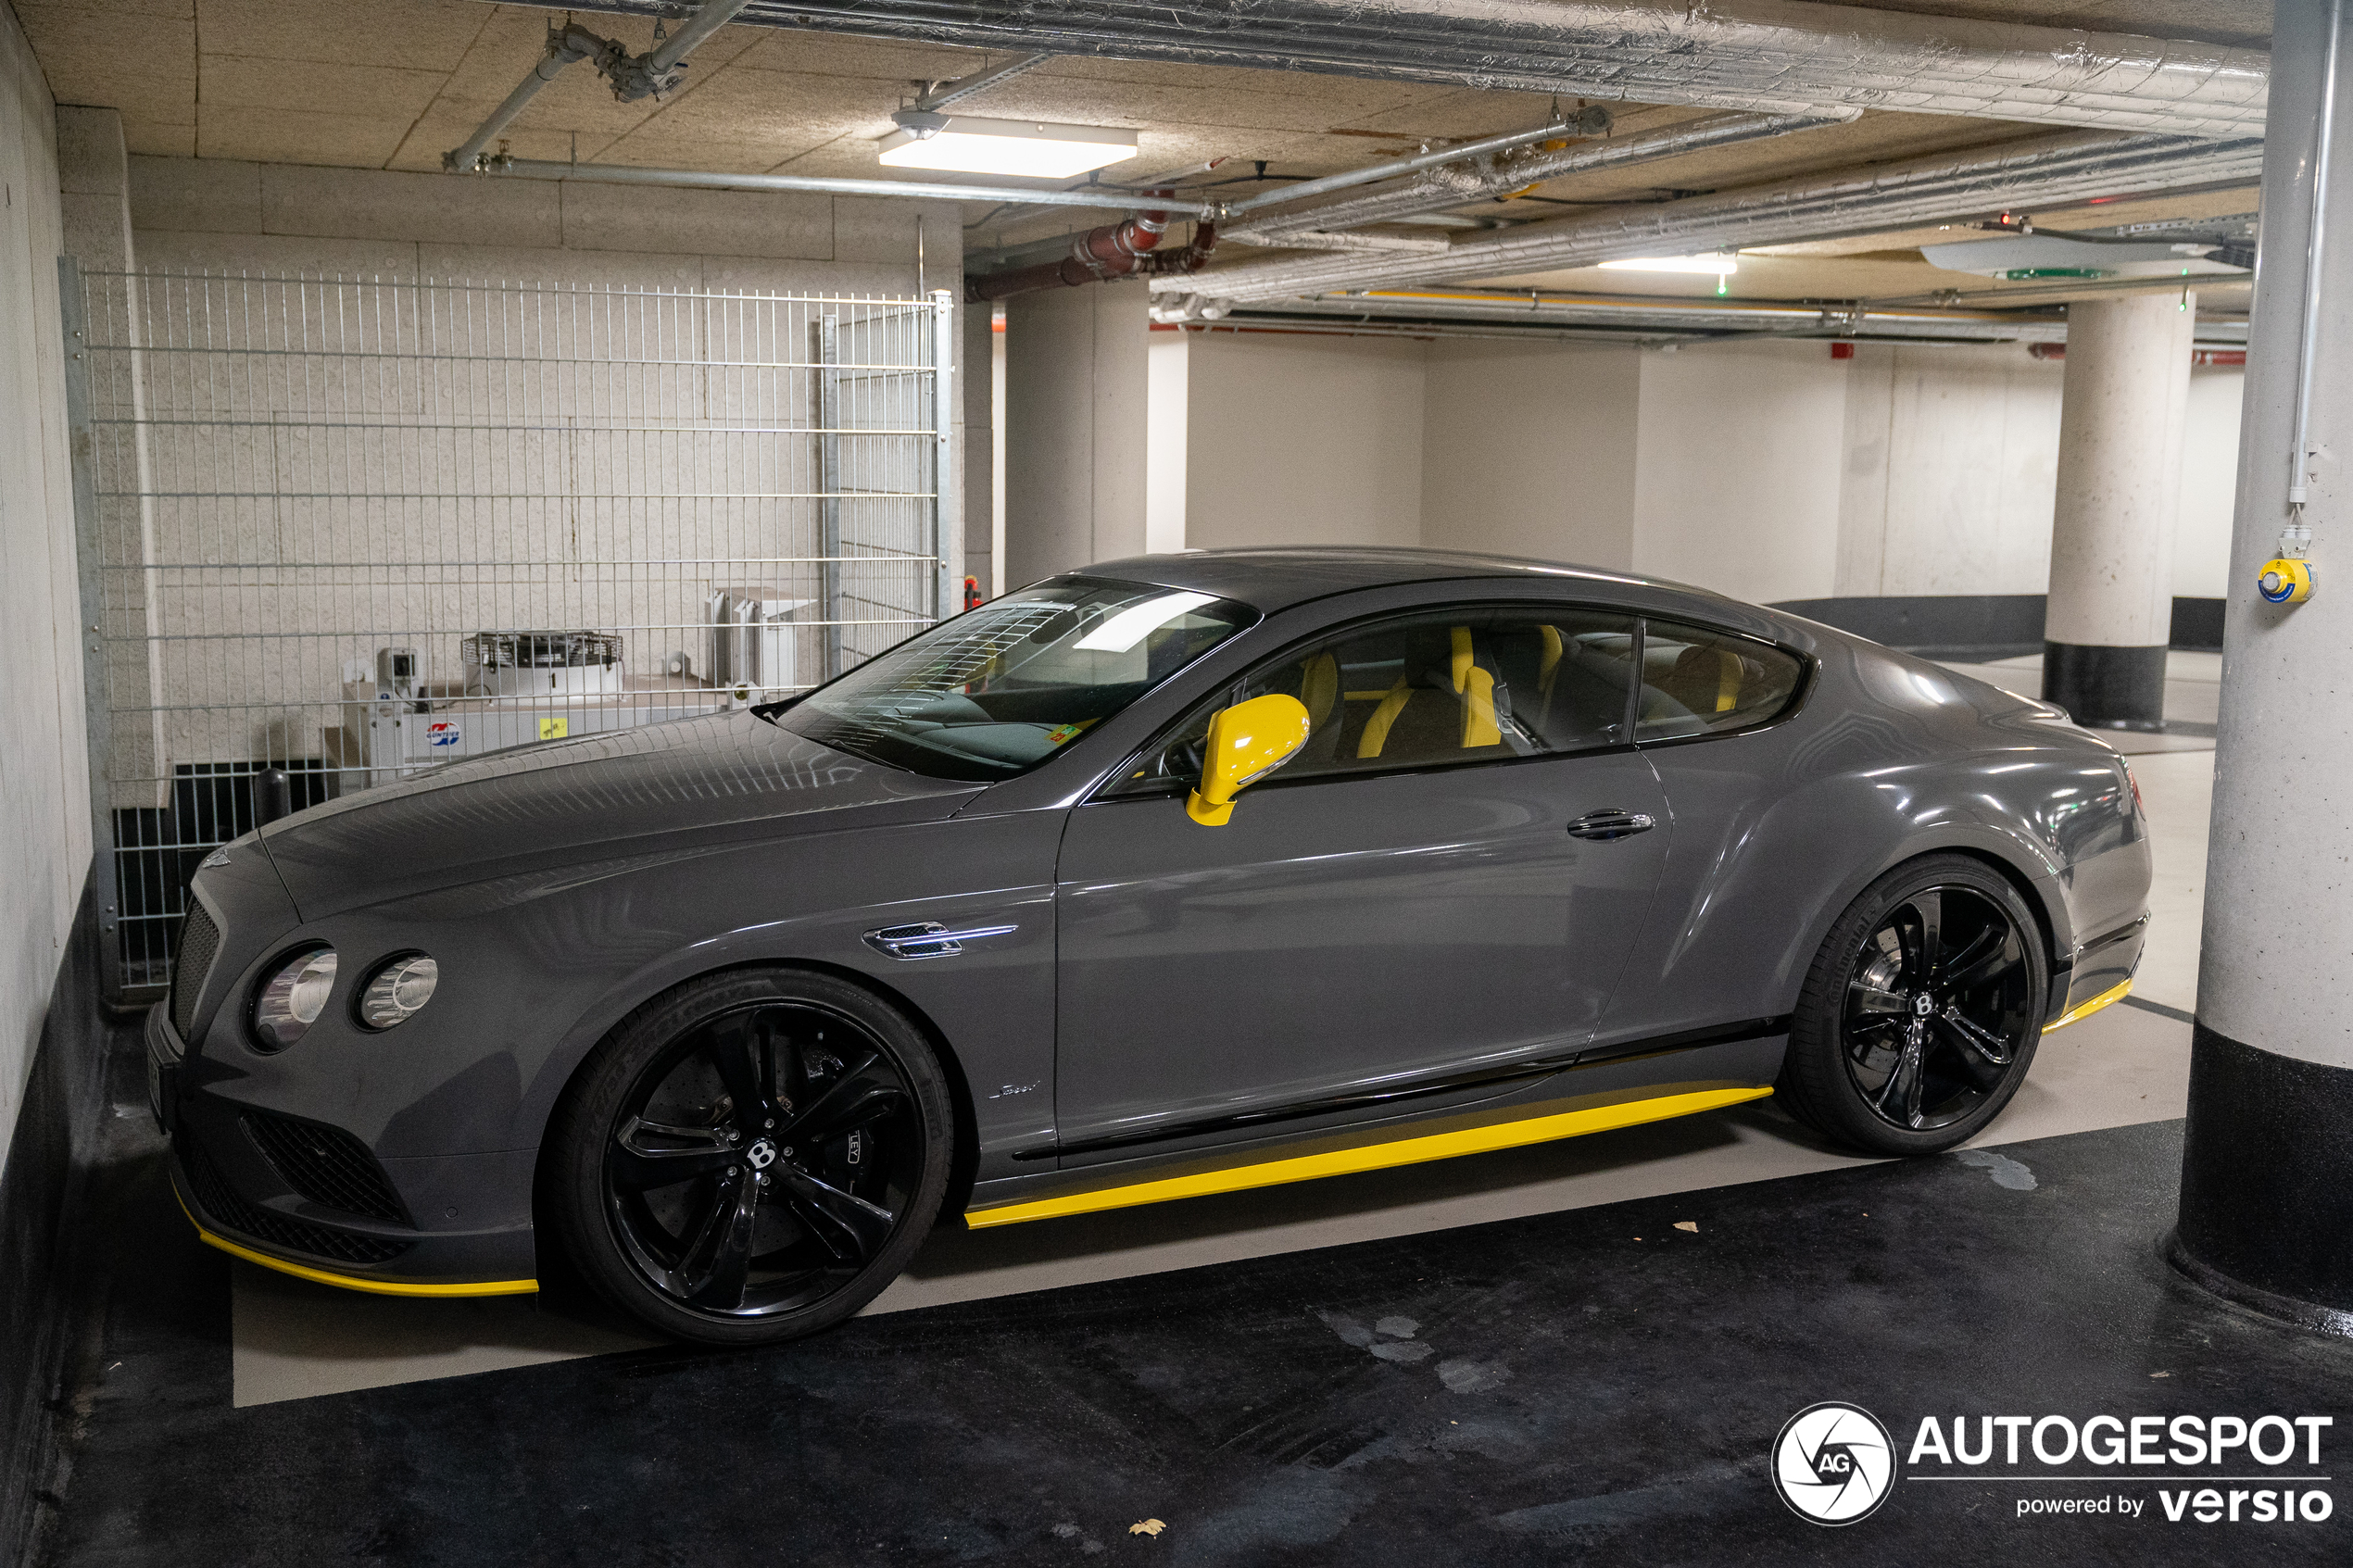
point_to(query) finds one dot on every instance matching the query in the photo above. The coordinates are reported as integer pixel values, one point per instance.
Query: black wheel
(1919, 1017)
(751, 1157)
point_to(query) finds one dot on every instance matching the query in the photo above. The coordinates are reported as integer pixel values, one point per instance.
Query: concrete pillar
(1076, 402)
(2120, 479)
(2267, 1176)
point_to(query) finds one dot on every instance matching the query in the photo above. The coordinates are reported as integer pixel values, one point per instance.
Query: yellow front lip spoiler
(1371, 1157)
(353, 1282)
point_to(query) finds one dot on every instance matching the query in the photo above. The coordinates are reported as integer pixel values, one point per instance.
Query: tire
(1884, 1063)
(750, 1157)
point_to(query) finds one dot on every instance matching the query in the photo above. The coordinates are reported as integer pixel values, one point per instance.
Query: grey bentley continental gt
(1181, 875)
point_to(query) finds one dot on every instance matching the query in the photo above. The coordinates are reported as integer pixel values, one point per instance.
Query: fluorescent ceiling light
(972, 146)
(1135, 623)
(1713, 266)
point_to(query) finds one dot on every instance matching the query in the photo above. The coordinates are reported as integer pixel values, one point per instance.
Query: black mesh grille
(200, 941)
(222, 1204)
(326, 1165)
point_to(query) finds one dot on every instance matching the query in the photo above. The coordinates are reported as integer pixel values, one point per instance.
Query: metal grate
(326, 1165)
(199, 943)
(302, 498)
(221, 1203)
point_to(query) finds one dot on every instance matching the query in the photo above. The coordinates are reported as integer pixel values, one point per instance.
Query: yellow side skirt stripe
(2082, 1011)
(1373, 1157)
(352, 1282)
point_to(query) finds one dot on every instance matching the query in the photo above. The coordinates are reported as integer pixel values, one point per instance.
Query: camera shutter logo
(1833, 1463)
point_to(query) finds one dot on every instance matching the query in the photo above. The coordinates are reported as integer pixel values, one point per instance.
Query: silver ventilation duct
(2047, 172)
(1106, 196)
(1775, 57)
(1455, 183)
(1652, 319)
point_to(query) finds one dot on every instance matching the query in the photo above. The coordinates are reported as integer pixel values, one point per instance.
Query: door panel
(1339, 936)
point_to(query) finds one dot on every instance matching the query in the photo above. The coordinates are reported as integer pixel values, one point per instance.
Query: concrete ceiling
(394, 83)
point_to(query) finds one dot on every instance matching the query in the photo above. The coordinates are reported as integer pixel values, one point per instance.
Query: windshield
(1000, 689)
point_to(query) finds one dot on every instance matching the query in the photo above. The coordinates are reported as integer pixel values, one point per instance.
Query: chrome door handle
(1603, 826)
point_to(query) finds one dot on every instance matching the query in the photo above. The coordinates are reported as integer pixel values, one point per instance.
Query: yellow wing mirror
(1247, 742)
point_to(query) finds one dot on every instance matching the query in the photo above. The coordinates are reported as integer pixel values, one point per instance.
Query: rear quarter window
(1697, 681)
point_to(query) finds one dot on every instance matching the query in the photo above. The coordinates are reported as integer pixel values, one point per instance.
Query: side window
(1696, 681)
(1461, 685)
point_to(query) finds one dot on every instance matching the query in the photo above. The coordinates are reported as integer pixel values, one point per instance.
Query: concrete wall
(1303, 440)
(1771, 471)
(1737, 467)
(1950, 465)
(45, 784)
(1528, 449)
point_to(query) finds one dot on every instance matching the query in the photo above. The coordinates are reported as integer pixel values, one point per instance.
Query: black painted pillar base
(2267, 1183)
(2107, 688)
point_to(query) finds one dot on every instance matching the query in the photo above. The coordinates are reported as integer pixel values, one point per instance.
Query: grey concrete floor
(1600, 1385)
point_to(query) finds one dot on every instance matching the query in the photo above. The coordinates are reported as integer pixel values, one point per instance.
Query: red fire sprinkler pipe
(1116, 250)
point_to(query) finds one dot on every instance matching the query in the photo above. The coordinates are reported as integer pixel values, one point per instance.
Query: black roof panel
(1275, 578)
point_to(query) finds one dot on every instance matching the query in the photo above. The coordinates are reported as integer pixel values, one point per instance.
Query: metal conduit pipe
(1640, 319)
(2049, 170)
(710, 180)
(956, 92)
(707, 18)
(1449, 187)
(1594, 121)
(565, 46)
(1652, 317)
(1779, 56)
(1315, 239)
(632, 76)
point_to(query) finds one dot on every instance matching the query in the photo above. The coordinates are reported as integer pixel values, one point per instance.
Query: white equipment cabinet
(519, 688)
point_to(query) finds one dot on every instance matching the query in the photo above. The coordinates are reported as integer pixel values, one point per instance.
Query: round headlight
(294, 997)
(399, 990)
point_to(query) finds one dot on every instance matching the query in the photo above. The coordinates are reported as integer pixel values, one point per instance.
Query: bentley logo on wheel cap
(761, 1155)
(1922, 1006)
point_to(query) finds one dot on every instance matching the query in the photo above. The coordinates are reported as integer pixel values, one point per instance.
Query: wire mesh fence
(339, 531)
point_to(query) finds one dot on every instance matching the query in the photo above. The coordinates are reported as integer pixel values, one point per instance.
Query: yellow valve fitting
(2286, 582)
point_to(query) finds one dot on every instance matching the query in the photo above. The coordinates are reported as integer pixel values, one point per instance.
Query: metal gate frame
(127, 982)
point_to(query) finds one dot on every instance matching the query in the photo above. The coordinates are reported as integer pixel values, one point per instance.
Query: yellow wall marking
(350, 1281)
(554, 729)
(1373, 1157)
(2082, 1011)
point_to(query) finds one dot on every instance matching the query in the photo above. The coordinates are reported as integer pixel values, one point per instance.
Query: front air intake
(226, 1208)
(326, 1165)
(199, 944)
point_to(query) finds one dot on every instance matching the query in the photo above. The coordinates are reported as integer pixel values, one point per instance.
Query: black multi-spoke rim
(1939, 1008)
(763, 1159)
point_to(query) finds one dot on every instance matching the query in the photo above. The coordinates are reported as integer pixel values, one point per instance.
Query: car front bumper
(285, 1192)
